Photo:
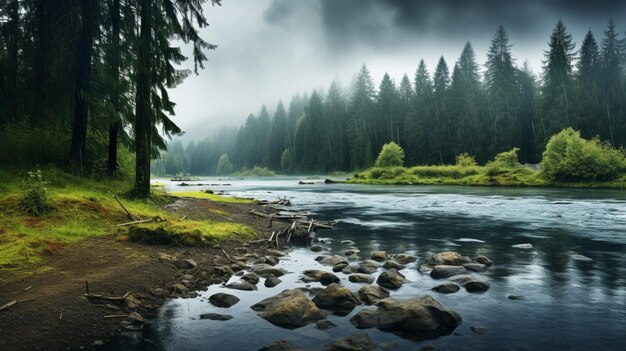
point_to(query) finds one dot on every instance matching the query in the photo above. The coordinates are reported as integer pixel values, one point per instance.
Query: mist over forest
(433, 113)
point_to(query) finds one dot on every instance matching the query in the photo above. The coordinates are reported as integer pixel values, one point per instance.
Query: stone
(347, 242)
(476, 286)
(349, 269)
(241, 285)
(368, 267)
(223, 300)
(324, 324)
(446, 288)
(424, 269)
(483, 260)
(251, 278)
(462, 279)
(289, 309)
(404, 258)
(366, 318)
(330, 260)
(178, 288)
(314, 275)
(338, 298)
(449, 258)
(475, 267)
(317, 248)
(516, 297)
(391, 279)
(276, 253)
(361, 278)
(370, 294)
(478, 330)
(271, 281)
(522, 246)
(272, 260)
(222, 271)
(393, 264)
(380, 256)
(351, 252)
(216, 316)
(185, 263)
(340, 266)
(281, 345)
(581, 258)
(265, 270)
(98, 343)
(446, 271)
(357, 342)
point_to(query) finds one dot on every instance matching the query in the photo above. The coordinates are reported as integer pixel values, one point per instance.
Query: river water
(570, 302)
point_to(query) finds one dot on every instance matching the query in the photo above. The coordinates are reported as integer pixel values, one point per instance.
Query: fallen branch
(155, 219)
(7, 305)
(292, 229)
(107, 298)
(130, 215)
(117, 316)
(228, 257)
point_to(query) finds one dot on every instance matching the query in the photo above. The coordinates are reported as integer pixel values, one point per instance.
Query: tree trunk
(115, 92)
(143, 114)
(81, 87)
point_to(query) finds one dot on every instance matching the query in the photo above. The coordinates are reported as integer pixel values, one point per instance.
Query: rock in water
(445, 271)
(216, 316)
(449, 258)
(391, 279)
(404, 259)
(475, 267)
(223, 300)
(324, 324)
(483, 260)
(421, 315)
(289, 309)
(380, 256)
(361, 278)
(476, 286)
(281, 345)
(265, 270)
(393, 264)
(271, 281)
(368, 267)
(317, 248)
(446, 288)
(330, 260)
(478, 330)
(340, 266)
(241, 285)
(366, 318)
(522, 246)
(371, 294)
(357, 342)
(314, 275)
(251, 278)
(336, 297)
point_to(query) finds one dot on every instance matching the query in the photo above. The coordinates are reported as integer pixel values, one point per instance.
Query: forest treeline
(81, 80)
(434, 115)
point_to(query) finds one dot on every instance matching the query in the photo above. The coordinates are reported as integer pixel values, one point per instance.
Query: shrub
(507, 159)
(465, 160)
(492, 169)
(35, 200)
(391, 155)
(224, 166)
(568, 157)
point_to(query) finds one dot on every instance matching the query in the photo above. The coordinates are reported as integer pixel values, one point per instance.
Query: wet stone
(216, 316)
(223, 300)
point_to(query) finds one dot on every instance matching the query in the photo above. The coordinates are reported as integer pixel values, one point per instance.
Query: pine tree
(278, 137)
(387, 119)
(589, 75)
(422, 132)
(613, 84)
(361, 126)
(441, 83)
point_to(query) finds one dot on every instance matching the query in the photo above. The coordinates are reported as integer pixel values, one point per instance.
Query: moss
(212, 197)
(188, 233)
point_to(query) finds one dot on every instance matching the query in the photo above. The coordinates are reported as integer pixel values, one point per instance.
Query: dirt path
(53, 314)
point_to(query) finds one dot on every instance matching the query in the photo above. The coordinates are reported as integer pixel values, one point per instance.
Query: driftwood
(107, 298)
(117, 316)
(7, 305)
(130, 215)
(276, 217)
(155, 219)
(228, 257)
(279, 202)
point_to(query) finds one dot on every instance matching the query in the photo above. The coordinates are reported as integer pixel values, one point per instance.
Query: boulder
(340, 266)
(404, 258)
(251, 278)
(347, 242)
(314, 275)
(476, 286)
(349, 269)
(216, 316)
(271, 260)
(289, 309)
(449, 258)
(241, 285)
(446, 288)
(361, 278)
(222, 271)
(185, 263)
(462, 279)
(330, 260)
(265, 270)
(324, 324)
(380, 256)
(351, 252)
(482, 260)
(370, 294)
(475, 267)
(223, 300)
(357, 342)
(391, 279)
(368, 267)
(281, 345)
(271, 281)
(522, 246)
(516, 297)
(393, 264)
(338, 298)
(317, 248)
(366, 318)
(446, 271)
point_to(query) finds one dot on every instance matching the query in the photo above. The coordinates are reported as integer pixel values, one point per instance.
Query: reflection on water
(570, 302)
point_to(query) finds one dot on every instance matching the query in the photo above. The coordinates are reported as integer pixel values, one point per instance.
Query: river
(570, 302)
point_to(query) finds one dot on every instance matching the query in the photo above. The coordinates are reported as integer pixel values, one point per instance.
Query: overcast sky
(270, 49)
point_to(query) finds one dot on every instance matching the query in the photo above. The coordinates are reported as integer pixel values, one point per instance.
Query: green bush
(507, 159)
(570, 157)
(391, 155)
(465, 160)
(455, 172)
(492, 169)
(35, 200)
(386, 173)
(224, 166)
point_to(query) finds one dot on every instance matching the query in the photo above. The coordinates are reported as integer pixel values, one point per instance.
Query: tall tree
(441, 83)
(613, 83)
(589, 74)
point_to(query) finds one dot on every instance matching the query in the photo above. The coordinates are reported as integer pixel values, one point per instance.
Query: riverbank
(49, 263)
(473, 176)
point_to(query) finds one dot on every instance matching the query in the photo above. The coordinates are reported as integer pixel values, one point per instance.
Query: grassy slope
(84, 208)
(476, 175)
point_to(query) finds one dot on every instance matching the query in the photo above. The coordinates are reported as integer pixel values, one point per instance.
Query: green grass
(83, 208)
(212, 197)
(472, 175)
